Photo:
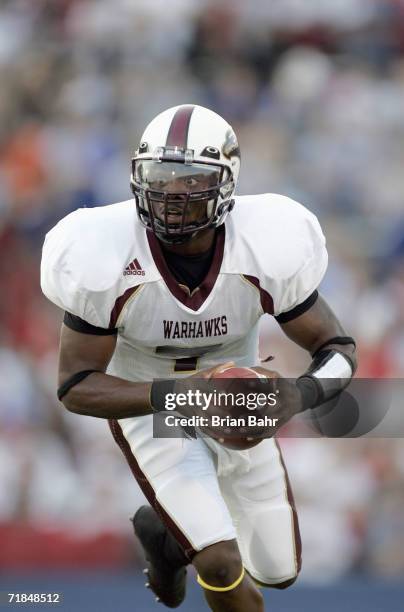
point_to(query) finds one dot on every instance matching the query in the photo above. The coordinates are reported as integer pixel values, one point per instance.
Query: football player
(173, 284)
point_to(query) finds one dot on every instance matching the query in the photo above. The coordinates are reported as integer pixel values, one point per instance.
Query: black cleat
(165, 571)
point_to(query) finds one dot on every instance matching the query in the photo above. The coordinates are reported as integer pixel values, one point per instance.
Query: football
(243, 442)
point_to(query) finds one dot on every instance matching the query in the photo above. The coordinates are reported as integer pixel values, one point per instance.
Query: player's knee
(285, 584)
(268, 578)
(220, 564)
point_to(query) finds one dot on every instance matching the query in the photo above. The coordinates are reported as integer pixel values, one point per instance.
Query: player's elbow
(72, 403)
(75, 392)
(285, 584)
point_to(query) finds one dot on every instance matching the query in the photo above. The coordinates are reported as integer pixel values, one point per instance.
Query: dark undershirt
(189, 270)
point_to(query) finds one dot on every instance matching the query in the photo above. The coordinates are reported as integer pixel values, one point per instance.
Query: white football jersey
(103, 266)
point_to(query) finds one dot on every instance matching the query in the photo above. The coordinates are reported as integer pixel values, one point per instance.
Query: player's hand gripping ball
(237, 437)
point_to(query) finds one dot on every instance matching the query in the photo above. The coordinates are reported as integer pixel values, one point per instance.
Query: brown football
(242, 442)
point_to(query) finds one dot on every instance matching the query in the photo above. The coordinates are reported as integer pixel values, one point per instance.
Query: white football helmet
(184, 172)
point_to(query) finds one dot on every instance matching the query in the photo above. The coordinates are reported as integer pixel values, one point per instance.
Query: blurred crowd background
(315, 92)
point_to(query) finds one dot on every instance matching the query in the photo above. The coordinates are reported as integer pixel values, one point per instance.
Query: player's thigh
(262, 507)
(178, 477)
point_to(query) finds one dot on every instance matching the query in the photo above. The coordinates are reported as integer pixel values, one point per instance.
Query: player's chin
(176, 222)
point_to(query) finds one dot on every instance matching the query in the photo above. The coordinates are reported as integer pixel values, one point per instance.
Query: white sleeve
(311, 261)
(60, 274)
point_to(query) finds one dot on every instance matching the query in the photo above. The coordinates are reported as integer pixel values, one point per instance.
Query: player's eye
(159, 183)
(190, 181)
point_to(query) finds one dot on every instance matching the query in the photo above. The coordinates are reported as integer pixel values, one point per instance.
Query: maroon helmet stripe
(178, 133)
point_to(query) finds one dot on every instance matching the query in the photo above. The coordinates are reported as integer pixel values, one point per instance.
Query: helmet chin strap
(176, 240)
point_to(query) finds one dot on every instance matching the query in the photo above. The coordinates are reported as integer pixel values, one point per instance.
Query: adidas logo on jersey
(134, 268)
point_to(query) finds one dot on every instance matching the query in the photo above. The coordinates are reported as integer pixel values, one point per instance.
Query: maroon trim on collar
(178, 132)
(119, 304)
(194, 300)
(267, 302)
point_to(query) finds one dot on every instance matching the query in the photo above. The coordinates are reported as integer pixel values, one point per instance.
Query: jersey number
(185, 359)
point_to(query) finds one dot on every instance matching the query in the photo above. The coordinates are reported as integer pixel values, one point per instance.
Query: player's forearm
(329, 373)
(108, 397)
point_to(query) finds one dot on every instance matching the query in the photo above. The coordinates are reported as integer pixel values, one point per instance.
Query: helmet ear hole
(211, 152)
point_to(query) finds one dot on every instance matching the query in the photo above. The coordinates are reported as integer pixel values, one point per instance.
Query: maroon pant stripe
(148, 490)
(178, 133)
(298, 541)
